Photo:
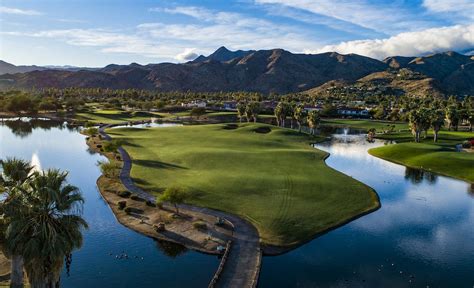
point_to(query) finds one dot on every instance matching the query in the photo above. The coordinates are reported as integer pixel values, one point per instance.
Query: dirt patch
(263, 130)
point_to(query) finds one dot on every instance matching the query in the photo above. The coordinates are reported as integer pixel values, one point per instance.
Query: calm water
(50, 144)
(423, 235)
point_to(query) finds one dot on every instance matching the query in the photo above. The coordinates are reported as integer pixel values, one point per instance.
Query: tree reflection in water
(23, 127)
(171, 249)
(418, 175)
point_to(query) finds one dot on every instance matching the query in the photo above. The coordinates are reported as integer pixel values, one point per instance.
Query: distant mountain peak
(222, 54)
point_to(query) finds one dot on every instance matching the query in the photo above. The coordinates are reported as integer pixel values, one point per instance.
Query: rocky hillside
(269, 71)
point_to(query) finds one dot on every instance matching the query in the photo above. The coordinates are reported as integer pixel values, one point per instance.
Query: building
(353, 112)
(230, 105)
(194, 104)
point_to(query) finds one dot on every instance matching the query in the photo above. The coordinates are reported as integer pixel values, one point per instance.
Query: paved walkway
(243, 263)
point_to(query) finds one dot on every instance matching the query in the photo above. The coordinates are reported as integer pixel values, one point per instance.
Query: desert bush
(91, 131)
(122, 204)
(128, 210)
(150, 203)
(135, 197)
(109, 169)
(201, 225)
(124, 194)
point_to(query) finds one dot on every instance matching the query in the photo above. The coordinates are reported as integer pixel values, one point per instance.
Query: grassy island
(268, 175)
(440, 157)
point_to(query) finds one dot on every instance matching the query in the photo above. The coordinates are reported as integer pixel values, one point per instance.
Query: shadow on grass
(157, 164)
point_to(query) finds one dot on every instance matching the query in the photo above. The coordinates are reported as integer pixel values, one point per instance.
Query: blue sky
(97, 33)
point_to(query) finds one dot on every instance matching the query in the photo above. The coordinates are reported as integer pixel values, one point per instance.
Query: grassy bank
(275, 179)
(439, 158)
(365, 124)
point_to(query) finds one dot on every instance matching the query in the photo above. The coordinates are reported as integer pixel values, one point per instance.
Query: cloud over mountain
(458, 38)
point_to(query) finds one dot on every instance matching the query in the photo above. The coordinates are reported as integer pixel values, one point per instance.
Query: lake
(423, 235)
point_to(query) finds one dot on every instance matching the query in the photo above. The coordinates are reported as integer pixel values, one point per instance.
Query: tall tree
(241, 111)
(299, 115)
(15, 174)
(452, 117)
(313, 121)
(437, 121)
(49, 226)
(279, 111)
(252, 110)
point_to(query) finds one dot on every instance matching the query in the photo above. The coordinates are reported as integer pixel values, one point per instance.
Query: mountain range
(264, 71)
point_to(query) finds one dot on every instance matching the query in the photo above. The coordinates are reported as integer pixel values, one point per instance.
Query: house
(230, 105)
(194, 104)
(309, 108)
(352, 112)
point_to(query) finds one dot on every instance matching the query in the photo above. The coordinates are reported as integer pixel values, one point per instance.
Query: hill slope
(268, 71)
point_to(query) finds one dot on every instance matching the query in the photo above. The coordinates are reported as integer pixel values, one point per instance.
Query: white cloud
(9, 10)
(464, 8)
(387, 18)
(459, 37)
(191, 11)
(187, 55)
(167, 41)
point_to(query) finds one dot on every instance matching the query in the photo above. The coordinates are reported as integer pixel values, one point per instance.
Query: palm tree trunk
(16, 271)
(435, 138)
(299, 127)
(176, 207)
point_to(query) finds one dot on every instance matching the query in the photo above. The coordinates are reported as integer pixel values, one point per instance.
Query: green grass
(115, 116)
(365, 124)
(275, 180)
(439, 158)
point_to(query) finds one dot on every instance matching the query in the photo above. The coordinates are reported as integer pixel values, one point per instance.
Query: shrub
(150, 203)
(122, 204)
(201, 225)
(135, 197)
(99, 146)
(111, 146)
(124, 194)
(109, 169)
(159, 204)
(128, 210)
(91, 131)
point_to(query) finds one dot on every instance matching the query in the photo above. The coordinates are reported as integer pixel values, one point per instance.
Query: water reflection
(422, 236)
(419, 175)
(55, 146)
(171, 249)
(24, 126)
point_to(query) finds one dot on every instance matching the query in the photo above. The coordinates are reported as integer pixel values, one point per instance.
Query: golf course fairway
(270, 176)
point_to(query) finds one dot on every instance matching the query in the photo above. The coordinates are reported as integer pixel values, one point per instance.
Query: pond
(422, 236)
(51, 144)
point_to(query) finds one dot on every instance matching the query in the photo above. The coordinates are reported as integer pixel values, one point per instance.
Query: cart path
(243, 263)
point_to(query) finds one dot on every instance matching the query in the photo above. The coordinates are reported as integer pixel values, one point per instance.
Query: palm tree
(252, 110)
(470, 119)
(15, 174)
(278, 111)
(313, 120)
(299, 114)
(437, 121)
(49, 227)
(241, 111)
(452, 117)
(417, 122)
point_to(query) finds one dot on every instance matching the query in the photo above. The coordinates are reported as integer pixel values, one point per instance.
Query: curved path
(242, 267)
